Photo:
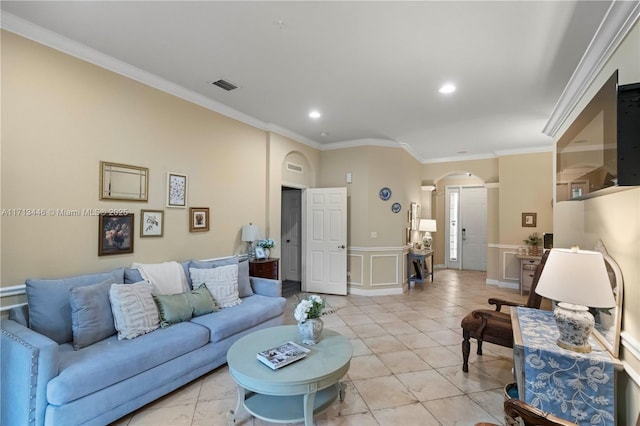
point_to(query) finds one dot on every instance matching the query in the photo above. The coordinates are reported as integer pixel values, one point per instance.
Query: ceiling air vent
(296, 168)
(225, 85)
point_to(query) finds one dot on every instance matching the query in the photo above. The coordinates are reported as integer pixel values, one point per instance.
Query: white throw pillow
(134, 311)
(222, 283)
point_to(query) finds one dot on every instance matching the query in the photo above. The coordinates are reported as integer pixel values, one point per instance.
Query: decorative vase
(311, 330)
(267, 252)
(535, 250)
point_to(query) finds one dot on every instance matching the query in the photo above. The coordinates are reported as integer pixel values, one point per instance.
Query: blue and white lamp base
(575, 324)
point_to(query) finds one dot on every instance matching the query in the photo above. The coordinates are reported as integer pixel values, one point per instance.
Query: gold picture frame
(151, 223)
(123, 182)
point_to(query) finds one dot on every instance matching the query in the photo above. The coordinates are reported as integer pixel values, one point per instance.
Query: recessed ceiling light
(447, 88)
(314, 114)
(325, 134)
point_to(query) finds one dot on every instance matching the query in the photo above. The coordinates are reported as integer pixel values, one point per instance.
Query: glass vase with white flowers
(308, 313)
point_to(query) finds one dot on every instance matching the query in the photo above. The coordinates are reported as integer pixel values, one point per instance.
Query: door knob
(288, 241)
(341, 247)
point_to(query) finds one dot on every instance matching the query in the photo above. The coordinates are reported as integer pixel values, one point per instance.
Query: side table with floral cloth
(579, 387)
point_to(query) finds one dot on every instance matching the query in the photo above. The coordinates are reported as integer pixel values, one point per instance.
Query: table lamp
(427, 226)
(576, 279)
(250, 233)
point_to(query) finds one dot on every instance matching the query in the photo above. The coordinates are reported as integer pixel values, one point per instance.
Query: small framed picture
(260, 253)
(115, 234)
(151, 223)
(529, 220)
(198, 219)
(176, 190)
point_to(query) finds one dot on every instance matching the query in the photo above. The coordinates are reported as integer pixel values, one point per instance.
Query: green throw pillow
(201, 301)
(175, 308)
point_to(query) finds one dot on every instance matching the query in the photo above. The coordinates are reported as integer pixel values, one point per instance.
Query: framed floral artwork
(176, 190)
(198, 219)
(151, 223)
(115, 234)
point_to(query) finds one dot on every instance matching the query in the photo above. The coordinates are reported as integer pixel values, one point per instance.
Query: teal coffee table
(297, 391)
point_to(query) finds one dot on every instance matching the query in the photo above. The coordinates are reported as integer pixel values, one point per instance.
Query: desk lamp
(577, 279)
(427, 226)
(250, 233)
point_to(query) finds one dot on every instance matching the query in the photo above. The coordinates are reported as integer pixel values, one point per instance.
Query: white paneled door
(325, 240)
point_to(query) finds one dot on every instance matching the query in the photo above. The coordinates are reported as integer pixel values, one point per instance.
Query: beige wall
(62, 116)
(515, 184)
(615, 219)
(374, 263)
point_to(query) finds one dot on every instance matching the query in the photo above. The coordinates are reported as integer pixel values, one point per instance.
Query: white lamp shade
(428, 225)
(578, 277)
(250, 232)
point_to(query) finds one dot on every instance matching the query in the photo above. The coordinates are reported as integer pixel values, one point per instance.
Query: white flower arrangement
(311, 307)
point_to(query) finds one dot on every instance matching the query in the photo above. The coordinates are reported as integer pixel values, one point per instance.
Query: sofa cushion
(134, 311)
(91, 317)
(206, 264)
(132, 275)
(244, 282)
(111, 360)
(222, 283)
(254, 310)
(177, 308)
(49, 308)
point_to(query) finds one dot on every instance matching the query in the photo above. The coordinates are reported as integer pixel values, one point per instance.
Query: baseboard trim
(503, 284)
(376, 292)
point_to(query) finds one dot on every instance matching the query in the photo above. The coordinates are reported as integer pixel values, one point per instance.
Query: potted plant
(534, 241)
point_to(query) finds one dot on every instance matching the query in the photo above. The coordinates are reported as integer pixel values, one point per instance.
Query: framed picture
(260, 253)
(529, 220)
(176, 190)
(115, 234)
(151, 223)
(198, 219)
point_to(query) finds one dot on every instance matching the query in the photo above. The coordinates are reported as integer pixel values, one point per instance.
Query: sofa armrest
(266, 286)
(29, 360)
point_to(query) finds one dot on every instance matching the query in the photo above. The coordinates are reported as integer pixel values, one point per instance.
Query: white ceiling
(372, 69)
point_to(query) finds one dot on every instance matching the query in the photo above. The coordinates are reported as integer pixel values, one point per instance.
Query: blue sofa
(48, 383)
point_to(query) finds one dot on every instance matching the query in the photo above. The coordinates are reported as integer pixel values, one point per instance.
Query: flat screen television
(600, 151)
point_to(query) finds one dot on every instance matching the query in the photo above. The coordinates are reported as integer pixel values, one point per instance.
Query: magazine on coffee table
(282, 355)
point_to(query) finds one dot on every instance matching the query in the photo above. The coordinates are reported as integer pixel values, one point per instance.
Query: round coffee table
(294, 392)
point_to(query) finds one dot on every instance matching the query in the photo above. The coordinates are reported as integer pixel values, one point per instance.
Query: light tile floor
(406, 367)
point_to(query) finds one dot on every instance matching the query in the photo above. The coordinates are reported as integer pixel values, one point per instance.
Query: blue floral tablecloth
(574, 386)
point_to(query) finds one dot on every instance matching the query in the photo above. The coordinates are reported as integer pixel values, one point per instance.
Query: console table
(579, 387)
(528, 265)
(417, 268)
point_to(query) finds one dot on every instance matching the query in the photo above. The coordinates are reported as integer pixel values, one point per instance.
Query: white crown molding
(361, 142)
(56, 41)
(617, 23)
(529, 150)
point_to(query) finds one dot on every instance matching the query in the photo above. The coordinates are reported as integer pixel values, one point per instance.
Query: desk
(417, 268)
(579, 387)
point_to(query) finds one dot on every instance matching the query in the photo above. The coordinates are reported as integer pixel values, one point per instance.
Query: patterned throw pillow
(222, 283)
(134, 311)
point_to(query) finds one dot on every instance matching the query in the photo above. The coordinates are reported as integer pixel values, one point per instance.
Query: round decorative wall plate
(385, 193)
(396, 207)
